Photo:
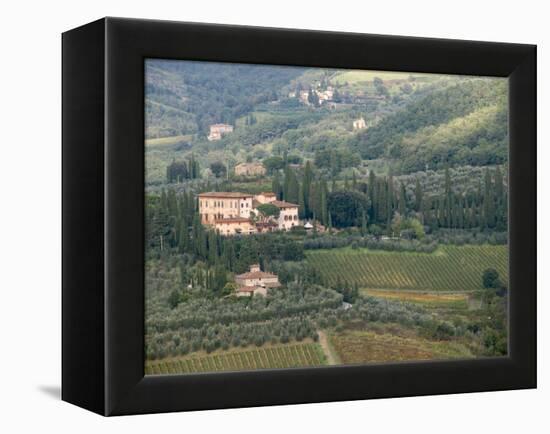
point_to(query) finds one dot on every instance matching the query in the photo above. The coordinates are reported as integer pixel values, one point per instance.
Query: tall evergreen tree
(402, 200)
(301, 203)
(276, 186)
(418, 196)
(293, 189)
(488, 201)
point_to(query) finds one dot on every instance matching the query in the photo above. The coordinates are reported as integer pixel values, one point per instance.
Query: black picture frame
(103, 215)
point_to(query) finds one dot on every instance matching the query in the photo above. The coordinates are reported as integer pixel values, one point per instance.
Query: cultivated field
(363, 76)
(167, 141)
(359, 346)
(426, 299)
(271, 357)
(449, 268)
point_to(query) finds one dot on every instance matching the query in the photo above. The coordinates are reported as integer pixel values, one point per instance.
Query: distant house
(250, 169)
(359, 124)
(265, 197)
(325, 95)
(218, 130)
(255, 282)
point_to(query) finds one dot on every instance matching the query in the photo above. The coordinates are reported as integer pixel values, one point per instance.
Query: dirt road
(332, 358)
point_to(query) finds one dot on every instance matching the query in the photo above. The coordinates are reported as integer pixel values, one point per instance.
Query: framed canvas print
(264, 216)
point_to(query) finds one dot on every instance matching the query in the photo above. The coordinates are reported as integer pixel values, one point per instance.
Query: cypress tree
(417, 196)
(390, 199)
(306, 186)
(402, 200)
(363, 223)
(276, 186)
(372, 194)
(301, 203)
(488, 201)
(324, 204)
(293, 191)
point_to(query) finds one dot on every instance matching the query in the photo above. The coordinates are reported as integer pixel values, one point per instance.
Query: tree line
(384, 203)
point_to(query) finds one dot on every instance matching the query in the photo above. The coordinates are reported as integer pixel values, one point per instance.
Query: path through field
(332, 358)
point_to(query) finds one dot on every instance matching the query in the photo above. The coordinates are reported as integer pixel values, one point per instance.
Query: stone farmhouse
(255, 282)
(250, 169)
(232, 213)
(218, 130)
(359, 124)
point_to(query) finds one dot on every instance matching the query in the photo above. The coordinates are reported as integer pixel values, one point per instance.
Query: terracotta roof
(256, 275)
(232, 220)
(225, 194)
(267, 193)
(283, 204)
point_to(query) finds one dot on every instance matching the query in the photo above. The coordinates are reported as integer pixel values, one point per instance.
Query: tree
(491, 278)
(177, 171)
(346, 207)
(313, 98)
(273, 164)
(268, 210)
(488, 201)
(276, 186)
(306, 188)
(218, 169)
(363, 223)
(292, 190)
(417, 196)
(402, 204)
(174, 299)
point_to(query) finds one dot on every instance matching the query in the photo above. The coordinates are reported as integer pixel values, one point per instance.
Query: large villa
(233, 213)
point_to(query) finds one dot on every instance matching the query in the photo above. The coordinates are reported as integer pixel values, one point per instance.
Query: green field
(168, 141)
(434, 300)
(363, 76)
(270, 357)
(449, 268)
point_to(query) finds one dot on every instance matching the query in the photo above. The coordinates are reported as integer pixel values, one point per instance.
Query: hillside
(186, 97)
(414, 122)
(462, 124)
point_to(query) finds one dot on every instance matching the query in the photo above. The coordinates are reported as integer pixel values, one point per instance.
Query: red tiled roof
(225, 194)
(267, 193)
(283, 204)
